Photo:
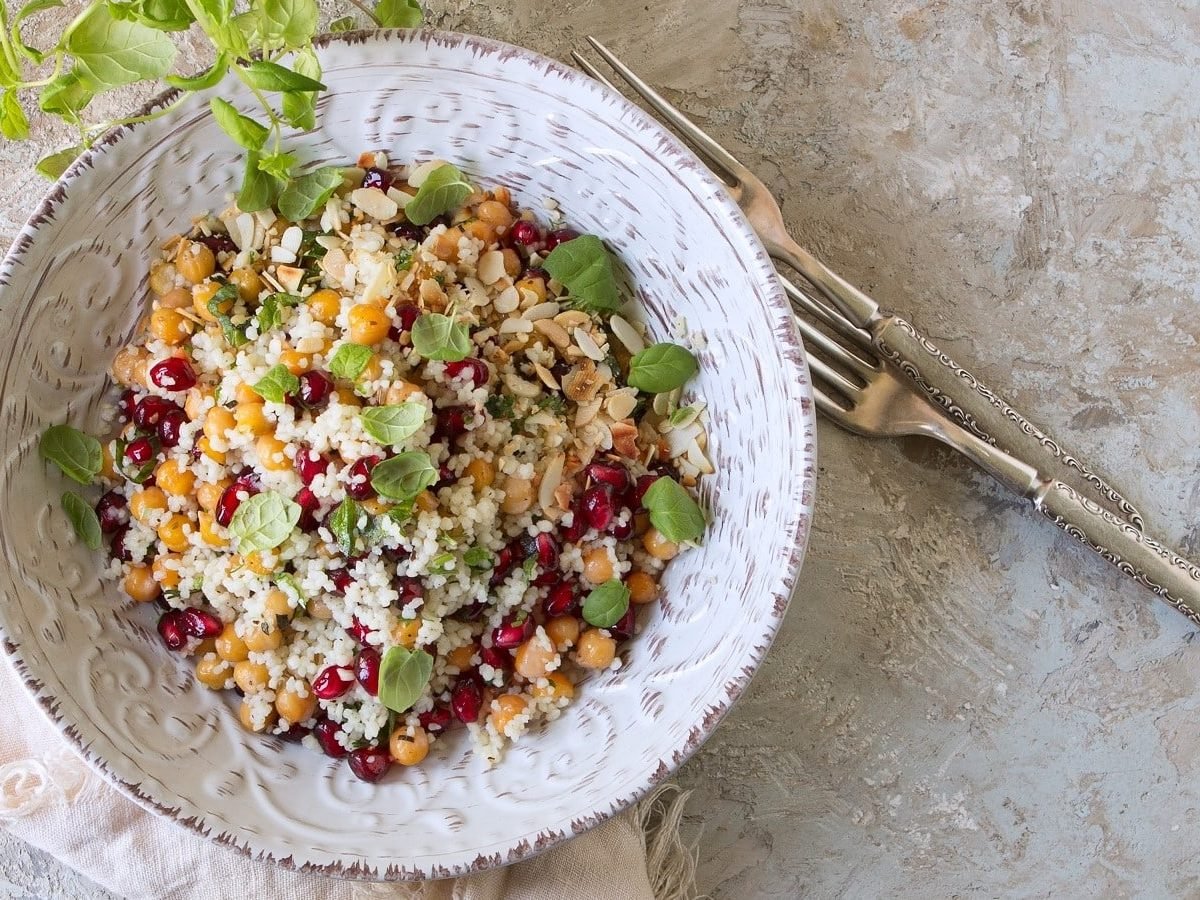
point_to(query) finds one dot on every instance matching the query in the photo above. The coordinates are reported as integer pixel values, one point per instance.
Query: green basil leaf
(163, 15)
(479, 558)
(32, 8)
(270, 313)
(66, 96)
(263, 522)
(349, 361)
(681, 415)
(395, 424)
(54, 164)
(435, 336)
(585, 267)
(605, 605)
(83, 519)
(277, 384)
(13, 123)
(443, 562)
(300, 108)
(78, 455)
(269, 76)
(308, 193)
(673, 511)
(244, 130)
(279, 164)
(219, 23)
(289, 24)
(202, 81)
(109, 52)
(235, 335)
(259, 189)
(345, 23)
(661, 368)
(399, 13)
(443, 191)
(404, 475)
(403, 676)
(343, 525)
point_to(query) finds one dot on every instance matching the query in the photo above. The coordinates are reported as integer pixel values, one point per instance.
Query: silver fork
(861, 392)
(960, 394)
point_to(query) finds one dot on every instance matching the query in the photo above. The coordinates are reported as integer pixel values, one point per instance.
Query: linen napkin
(50, 798)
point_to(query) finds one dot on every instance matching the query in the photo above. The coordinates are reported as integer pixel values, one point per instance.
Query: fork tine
(664, 108)
(836, 379)
(831, 408)
(830, 317)
(815, 337)
(591, 71)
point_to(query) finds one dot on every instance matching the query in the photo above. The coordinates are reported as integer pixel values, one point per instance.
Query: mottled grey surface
(961, 702)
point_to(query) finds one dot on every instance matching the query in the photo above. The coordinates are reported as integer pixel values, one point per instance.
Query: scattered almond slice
(555, 332)
(490, 267)
(541, 311)
(547, 377)
(290, 278)
(419, 173)
(375, 203)
(507, 301)
(588, 345)
(622, 403)
(521, 387)
(626, 334)
(586, 412)
(550, 482)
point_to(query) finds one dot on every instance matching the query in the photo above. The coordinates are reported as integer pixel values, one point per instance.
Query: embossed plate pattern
(71, 291)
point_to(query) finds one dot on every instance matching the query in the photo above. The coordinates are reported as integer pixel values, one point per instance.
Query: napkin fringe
(670, 861)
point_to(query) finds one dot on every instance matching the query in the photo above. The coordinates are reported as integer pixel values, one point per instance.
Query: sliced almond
(432, 294)
(551, 480)
(624, 439)
(507, 301)
(336, 266)
(266, 218)
(547, 377)
(521, 387)
(375, 203)
(582, 383)
(419, 173)
(329, 241)
(555, 332)
(243, 234)
(490, 267)
(697, 458)
(588, 345)
(398, 197)
(586, 412)
(622, 403)
(381, 282)
(516, 326)
(290, 277)
(626, 334)
(572, 318)
(282, 255)
(541, 311)
(310, 344)
(563, 495)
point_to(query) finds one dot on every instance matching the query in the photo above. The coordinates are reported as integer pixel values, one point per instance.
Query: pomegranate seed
(139, 452)
(560, 236)
(436, 719)
(367, 669)
(598, 506)
(622, 531)
(296, 733)
(310, 464)
(466, 699)
(408, 313)
(331, 682)
(510, 633)
(639, 490)
(500, 660)
(228, 503)
(408, 231)
(217, 243)
(173, 630)
(315, 388)
(524, 233)
(476, 368)
(623, 630)
(126, 405)
(535, 272)
(342, 579)
(149, 410)
(326, 732)
(370, 763)
(118, 548)
(359, 484)
(170, 427)
(469, 613)
(578, 527)
(612, 474)
(547, 550)
(546, 578)
(410, 589)
(201, 624)
(377, 178)
(508, 557)
(451, 422)
(173, 374)
(359, 631)
(307, 500)
(113, 511)
(563, 600)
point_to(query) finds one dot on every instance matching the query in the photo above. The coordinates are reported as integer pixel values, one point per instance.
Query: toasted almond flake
(381, 282)
(336, 266)
(310, 344)
(582, 382)
(624, 439)
(331, 218)
(626, 334)
(515, 326)
(588, 411)
(550, 482)
(266, 218)
(398, 197)
(572, 318)
(290, 277)
(521, 387)
(555, 332)
(374, 202)
(271, 279)
(698, 459)
(243, 234)
(661, 404)
(547, 378)
(171, 241)
(419, 173)
(282, 255)
(622, 403)
(588, 345)
(545, 310)
(563, 495)
(490, 268)
(678, 441)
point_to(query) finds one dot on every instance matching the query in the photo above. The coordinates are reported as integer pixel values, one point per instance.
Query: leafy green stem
(94, 131)
(368, 11)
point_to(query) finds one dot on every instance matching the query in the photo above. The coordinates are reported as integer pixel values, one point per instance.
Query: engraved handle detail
(980, 410)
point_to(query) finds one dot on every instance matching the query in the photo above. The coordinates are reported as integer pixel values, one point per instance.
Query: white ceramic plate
(73, 287)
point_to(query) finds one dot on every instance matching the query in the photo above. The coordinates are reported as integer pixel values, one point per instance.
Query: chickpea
(245, 716)
(257, 563)
(535, 285)
(518, 495)
(481, 231)
(445, 247)
(193, 403)
(404, 632)
(596, 650)
(162, 278)
(505, 708)
(533, 658)
(212, 672)
(512, 262)
(399, 392)
(270, 453)
(494, 213)
(173, 478)
(347, 397)
(642, 587)
(276, 603)
(129, 367)
(427, 501)
(244, 393)
(368, 324)
(205, 446)
(375, 506)
(296, 362)
(559, 686)
(108, 462)
(319, 609)
(251, 677)
(482, 473)
(202, 294)
(230, 647)
(218, 422)
(195, 261)
(146, 502)
(209, 532)
(209, 493)
(176, 298)
(597, 565)
(373, 370)
(174, 531)
(324, 305)
(563, 631)
(658, 546)
(248, 283)
(140, 585)
(406, 749)
(460, 657)
(251, 419)
(263, 636)
(166, 569)
(170, 327)
(295, 708)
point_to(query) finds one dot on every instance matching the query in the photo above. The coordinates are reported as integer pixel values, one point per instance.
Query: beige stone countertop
(961, 701)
